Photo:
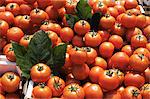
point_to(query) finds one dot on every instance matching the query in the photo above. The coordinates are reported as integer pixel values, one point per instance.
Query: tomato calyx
(88, 49)
(139, 37)
(26, 17)
(42, 85)
(12, 6)
(118, 25)
(73, 88)
(10, 76)
(109, 73)
(93, 33)
(135, 93)
(40, 68)
(145, 87)
(141, 56)
(57, 84)
(107, 15)
(100, 4)
(45, 22)
(37, 10)
(27, 37)
(76, 48)
(83, 23)
(10, 49)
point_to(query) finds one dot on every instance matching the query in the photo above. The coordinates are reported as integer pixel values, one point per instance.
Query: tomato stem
(109, 73)
(40, 68)
(135, 93)
(37, 10)
(100, 4)
(42, 85)
(11, 77)
(141, 56)
(12, 6)
(88, 49)
(73, 89)
(83, 22)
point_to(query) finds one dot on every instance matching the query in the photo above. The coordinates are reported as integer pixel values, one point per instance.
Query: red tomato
(113, 11)
(52, 13)
(25, 9)
(120, 9)
(141, 21)
(2, 43)
(92, 2)
(112, 95)
(127, 49)
(2, 2)
(118, 29)
(43, 3)
(104, 35)
(57, 4)
(24, 41)
(100, 62)
(119, 17)
(99, 7)
(147, 74)
(70, 6)
(2, 8)
(2, 96)
(146, 31)
(53, 36)
(129, 4)
(4, 26)
(109, 3)
(62, 12)
(145, 91)
(13, 7)
(77, 41)
(30, 1)
(143, 51)
(148, 46)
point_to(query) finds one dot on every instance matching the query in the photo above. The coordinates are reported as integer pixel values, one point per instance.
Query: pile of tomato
(111, 63)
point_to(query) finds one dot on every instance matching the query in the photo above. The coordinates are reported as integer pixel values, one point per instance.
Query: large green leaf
(71, 19)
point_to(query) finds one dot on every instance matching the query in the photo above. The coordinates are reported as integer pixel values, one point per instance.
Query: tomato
(120, 89)
(44, 3)
(10, 82)
(46, 26)
(94, 73)
(148, 46)
(2, 2)
(119, 60)
(57, 85)
(119, 17)
(23, 22)
(62, 12)
(147, 74)
(57, 4)
(109, 80)
(128, 20)
(25, 9)
(138, 62)
(73, 91)
(52, 13)
(99, 7)
(15, 1)
(13, 7)
(77, 41)
(37, 16)
(91, 55)
(4, 26)
(113, 11)
(92, 39)
(129, 4)
(12, 96)
(24, 41)
(131, 32)
(86, 85)
(131, 92)
(70, 79)
(70, 6)
(78, 55)
(2, 8)
(2, 43)
(92, 2)
(1, 96)
(120, 9)
(104, 35)
(66, 34)
(134, 11)
(118, 29)
(30, 1)
(127, 49)
(80, 72)
(93, 91)
(147, 20)
(9, 52)
(107, 21)
(145, 91)
(106, 47)
(14, 34)
(138, 41)
(146, 31)
(68, 65)
(117, 41)
(141, 21)
(82, 27)
(99, 61)
(8, 17)
(134, 79)
(143, 51)
(109, 3)
(112, 95)
(53, 36)
(41, 91)
(40, 72)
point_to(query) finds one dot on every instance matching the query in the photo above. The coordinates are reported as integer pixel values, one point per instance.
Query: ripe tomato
(143, 51)
(4, 26)
(80, 72)
(104, 35)
(10, 82)
(73, 91)
(2, 2)
(14, 34)
(146, 31)
(41, 91)
(148, 46)
(92, 39)
(2, 43)
(128, 20)
(38, 15)
(118, 29)
(25, 9)
(145, 91)
(120, 9)
(99, 61)
(66, 34)
(57, 4)
(117, 41)
(77, 41)
(44, 3)
(109, 3)
(8, 17)
(78, 55)
(93, 91)
(40, 72)
(91, 55)
(82, 27)
(46, 26)
(134, 79)
(52, 13)
(30, 1)
(106, 47)
(138, 41)
(2, 96)
(99, 7)
(109, 80)
(113, 11)
(119, 17)
(147, 75)
(131, 92)
(141, 21)
(12, 96)
(13, 7)
(94, 73)
(62, 12)
(107, 21)
(68, 65)
(112, 95)
(9, 52)
(129, 4)
(53, 36)
(15, 1)
(138, 62)
(2, 8)
(70, 6)
(23, 22)
(92, 2)
(147, 20)
(57, 85)
(1, 88)
(24, 41)
(127, 49)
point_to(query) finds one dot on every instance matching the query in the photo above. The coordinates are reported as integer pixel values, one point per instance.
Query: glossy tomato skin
(25, 9)
(141, 21)
(99, 7)
(134, 79)
(46, 26)
(13, 7)
(94, 73)
(73, 91)
(127, 49)
(80, 72)
(57, 4)
(10, 82)
(24, 41)
(4, 26)
(145, 91)
(93, 91)
(129, 4)
(147, 74)
(77, 41)
(52, 13)
(70, 6)
(40, 72)
(53, 36)
(14, 34)
(148, 46)
(146, 31)
(2, 8)
(106, 47)
(30, 1)
(131, 92)
(104, 35)
(43, 3)
(118, 29)
(143, 51)
(138, 62)
(112, 95)
(41, 91)
(57, 85)
(120, 9)
(92, 39)
(113, 11)
(2, 96)
(99, 61)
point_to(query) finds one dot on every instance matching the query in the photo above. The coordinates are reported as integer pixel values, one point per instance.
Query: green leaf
(71, 19)
(83, 10)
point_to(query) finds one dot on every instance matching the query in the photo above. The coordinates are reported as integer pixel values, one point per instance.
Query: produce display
(75, 49)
